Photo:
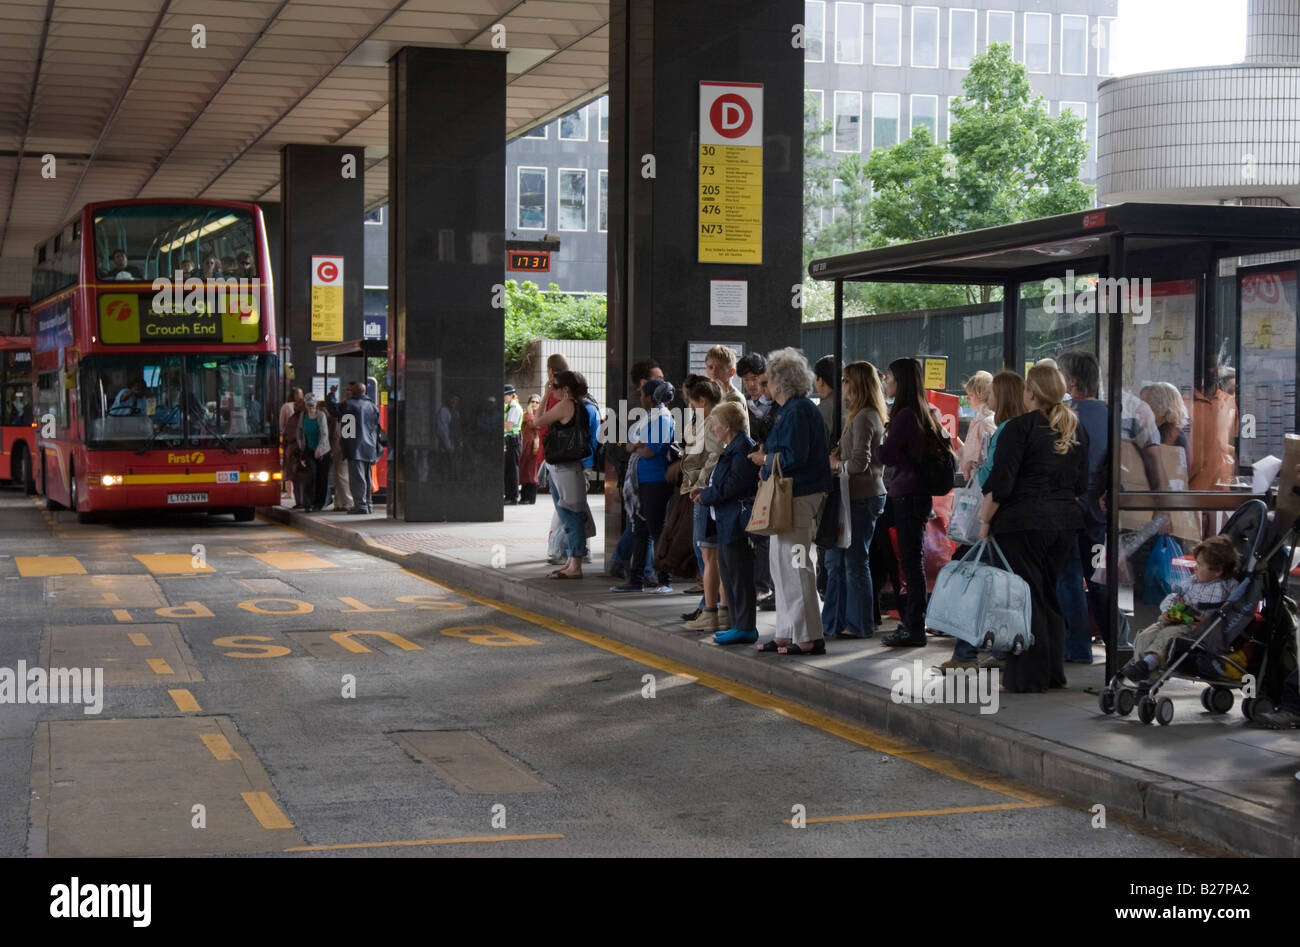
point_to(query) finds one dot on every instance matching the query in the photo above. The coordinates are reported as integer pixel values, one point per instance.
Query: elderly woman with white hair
(798, 437)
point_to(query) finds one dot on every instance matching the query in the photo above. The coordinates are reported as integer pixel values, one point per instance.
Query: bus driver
(132, 399)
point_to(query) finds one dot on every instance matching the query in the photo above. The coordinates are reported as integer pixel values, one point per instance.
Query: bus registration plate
(187, 498)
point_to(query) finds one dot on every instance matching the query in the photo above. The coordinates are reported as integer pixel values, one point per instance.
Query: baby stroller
(1268, 655)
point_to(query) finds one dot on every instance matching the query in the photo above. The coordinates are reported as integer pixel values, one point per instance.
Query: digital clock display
(532, 261)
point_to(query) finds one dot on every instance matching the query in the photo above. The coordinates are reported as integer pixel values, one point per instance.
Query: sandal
(769, 647)
(819, 647)
(561, 574)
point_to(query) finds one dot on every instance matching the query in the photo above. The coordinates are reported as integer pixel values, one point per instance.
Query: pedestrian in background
(752, 370)
(360, 444)
(314, 451)
(531, 457)
(568, 475)
(911, 424)
(704, 395)
(286, 418)
(651, 440)
(847, 608)
(1040, 469)
(798, 438)
(514, 419)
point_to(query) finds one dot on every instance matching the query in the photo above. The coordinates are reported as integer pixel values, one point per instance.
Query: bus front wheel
(23, 469)
(245, 514)
(72, 497)
(50, 503)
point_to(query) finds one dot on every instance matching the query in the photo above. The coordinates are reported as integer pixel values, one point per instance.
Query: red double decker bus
(17, 424)
(154, 352)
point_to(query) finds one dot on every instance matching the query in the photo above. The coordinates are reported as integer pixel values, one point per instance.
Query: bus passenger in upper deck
(189, 267)
(228, 267)
(246, 268)
(131, 400)
(120, 268)
(210, 268)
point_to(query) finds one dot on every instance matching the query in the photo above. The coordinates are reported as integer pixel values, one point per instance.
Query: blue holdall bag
(982, 604)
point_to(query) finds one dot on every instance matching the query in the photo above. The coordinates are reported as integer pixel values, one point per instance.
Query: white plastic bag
(964, 525)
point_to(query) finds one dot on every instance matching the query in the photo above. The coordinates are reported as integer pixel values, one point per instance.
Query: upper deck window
(143, 242)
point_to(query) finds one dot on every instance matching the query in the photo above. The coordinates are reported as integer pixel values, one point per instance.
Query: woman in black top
(1039, 468)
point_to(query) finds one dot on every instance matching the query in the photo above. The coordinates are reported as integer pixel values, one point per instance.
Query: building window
(961, 38)
(602, 214)
(573, 198)
(925, 111)
(848, 121)
(1038, 42)
(1001, 28)
(375, 216)
(925, 37)
(814, 31)
(538, 132)
(1074, 45)
(603, 132)
(948, 119)
(573, 127)
(884, 119)
(887, 32)
(814, 112)
(837, 191)
(1105, 34)
(532, 199)
(848, 33)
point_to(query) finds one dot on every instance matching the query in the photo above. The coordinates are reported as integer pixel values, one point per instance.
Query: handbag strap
(776, 465)
(976, 552)
(998, 549)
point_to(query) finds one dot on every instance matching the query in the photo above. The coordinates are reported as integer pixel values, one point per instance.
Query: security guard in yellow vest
(514, 420)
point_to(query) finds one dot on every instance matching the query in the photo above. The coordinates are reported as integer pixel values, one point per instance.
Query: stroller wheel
(1106, 699)
(1247, 707)
(1205, 699)
(1147, 709)
(1164, 711)
(1220, 700)
(1124, 701)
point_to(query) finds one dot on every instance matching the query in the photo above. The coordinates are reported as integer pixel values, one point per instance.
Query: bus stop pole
(1115, 268)
(839, 360)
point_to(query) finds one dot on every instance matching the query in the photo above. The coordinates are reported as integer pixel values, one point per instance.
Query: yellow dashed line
(219, 746)
(160, 666)
(957, 810)
(139, 639)
(185, 701)
(36, 566)
(854, 733)
(266, 811)
(473, 840)
(121, 614)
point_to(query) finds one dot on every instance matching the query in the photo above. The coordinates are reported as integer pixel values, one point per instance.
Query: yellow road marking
(355, 606)
(266, 811)
(139, 639)
(121, 614)
(862, 736)
(290, 561)
(344, 640)
(219, 746)
(957, 810)
(160, 666)
(426, 841)
(185, 701)
(34, 566)
(298, 607)
(161, 563)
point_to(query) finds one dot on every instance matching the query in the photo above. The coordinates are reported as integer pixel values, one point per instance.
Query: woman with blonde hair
(973, 449)
(847, 609)
(1040, 468)
(1166, 403)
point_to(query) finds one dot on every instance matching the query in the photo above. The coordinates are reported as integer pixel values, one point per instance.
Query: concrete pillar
(322, 200)
(446, 257)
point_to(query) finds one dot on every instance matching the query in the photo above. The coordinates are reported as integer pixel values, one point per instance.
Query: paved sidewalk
(1207, 776)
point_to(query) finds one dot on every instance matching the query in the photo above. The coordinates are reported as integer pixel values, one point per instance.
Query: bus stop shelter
(1200, 297)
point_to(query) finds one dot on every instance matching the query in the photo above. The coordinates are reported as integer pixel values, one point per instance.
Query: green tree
(1007, 160)
(532, 313)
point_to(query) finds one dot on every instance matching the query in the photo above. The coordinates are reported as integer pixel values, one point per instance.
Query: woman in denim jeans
(568, 478)
(847, 609)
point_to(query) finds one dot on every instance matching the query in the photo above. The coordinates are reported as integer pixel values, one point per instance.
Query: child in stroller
(1234, 645)
(1208, 587)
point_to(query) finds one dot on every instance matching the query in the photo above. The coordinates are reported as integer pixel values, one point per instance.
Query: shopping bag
(982, 604)
(1158, 579)
(964, 525)
(774, 504)
(834, 526)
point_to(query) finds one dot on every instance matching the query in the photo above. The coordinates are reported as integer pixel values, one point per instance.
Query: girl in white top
(981, 428)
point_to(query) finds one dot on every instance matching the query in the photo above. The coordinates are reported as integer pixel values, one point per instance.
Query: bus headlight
(111, 480)
(261, 476)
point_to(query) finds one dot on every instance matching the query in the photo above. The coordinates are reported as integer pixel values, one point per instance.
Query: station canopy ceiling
(118, 92)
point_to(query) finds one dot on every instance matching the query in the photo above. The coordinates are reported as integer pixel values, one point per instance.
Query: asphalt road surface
(264, 693)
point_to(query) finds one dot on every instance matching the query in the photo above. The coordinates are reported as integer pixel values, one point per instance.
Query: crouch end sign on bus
(731, 172)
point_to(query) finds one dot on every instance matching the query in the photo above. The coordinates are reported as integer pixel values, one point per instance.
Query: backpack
(569, 442)
(938, 465)
(598, 462)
